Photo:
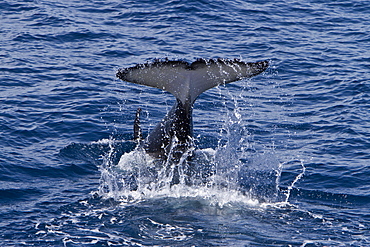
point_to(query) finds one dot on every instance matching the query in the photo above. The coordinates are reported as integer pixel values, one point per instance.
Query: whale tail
(187, 81)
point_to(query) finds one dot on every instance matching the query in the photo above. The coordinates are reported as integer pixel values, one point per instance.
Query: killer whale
(172, 136)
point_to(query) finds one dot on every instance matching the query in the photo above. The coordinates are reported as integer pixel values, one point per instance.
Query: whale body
(173, 136)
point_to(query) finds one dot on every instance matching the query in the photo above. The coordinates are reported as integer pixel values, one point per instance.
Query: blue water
(289, 149)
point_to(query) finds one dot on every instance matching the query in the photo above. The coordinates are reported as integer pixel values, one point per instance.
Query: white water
(217, 177)
(224, 175)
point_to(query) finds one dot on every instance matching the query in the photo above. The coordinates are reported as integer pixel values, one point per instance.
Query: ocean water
(283, 158)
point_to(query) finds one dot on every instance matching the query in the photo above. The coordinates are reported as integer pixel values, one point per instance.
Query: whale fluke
(173, 135)
(187, 81)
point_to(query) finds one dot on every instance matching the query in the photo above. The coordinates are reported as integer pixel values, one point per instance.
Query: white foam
(138, 177)
(136, 158)
(137, 161)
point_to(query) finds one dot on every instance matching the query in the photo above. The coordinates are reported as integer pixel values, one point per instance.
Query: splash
(138, 176)
(229, 173)
(218, 176)
(296, 179)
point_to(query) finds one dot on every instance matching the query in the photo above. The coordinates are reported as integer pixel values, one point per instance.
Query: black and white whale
(173, 136)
